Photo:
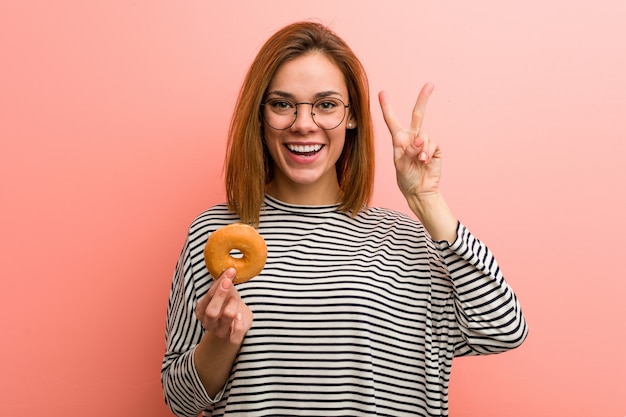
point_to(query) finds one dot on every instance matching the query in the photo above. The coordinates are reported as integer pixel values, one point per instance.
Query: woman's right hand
(222, 312)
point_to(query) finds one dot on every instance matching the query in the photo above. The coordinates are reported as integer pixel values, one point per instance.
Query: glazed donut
(241, 237)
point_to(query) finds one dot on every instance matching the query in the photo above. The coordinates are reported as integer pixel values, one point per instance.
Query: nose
(304, 118)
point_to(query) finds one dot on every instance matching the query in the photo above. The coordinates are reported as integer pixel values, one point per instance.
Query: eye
(280, 106)
(327, 105)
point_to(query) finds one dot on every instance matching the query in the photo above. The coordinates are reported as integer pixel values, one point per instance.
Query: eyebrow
(319, 95)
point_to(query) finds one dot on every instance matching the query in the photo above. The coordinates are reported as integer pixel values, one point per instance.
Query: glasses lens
(327, 113)
(279, 113)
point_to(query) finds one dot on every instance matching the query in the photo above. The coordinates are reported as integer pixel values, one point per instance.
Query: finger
(388, 114)
(238, 330)
(204, 301)
(223, 326)
(424, 152)
(417, 148)
(216, 303)
(420, 107)
(231, 305)
(222, 293)
(431, 149)
(201, 306)
(228, 275)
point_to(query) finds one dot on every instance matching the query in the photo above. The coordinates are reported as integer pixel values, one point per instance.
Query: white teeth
(304, 148)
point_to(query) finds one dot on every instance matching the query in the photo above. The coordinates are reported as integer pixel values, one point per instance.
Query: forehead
(308, 75)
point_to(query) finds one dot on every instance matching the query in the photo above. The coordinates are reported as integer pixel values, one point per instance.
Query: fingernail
(226, 283)
(423, 156)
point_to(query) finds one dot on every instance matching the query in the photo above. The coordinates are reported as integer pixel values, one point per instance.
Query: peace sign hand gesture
(418, 168)
(417, 158)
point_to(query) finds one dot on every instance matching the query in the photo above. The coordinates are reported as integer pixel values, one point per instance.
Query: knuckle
(212, 314)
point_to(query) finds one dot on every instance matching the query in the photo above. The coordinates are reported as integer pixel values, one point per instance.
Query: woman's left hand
(417, 158)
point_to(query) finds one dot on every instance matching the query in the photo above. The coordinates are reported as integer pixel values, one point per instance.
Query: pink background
(113, 116)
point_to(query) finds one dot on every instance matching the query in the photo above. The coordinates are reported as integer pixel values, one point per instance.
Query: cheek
(338, 138)
(271, 142)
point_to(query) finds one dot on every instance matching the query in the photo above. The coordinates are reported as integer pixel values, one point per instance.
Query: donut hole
(236, 253)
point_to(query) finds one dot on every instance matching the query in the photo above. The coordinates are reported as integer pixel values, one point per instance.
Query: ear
(351, 123)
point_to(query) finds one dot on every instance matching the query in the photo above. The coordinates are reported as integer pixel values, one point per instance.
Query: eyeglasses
(281, 114)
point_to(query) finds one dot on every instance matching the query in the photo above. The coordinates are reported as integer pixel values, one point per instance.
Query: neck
(306, 195)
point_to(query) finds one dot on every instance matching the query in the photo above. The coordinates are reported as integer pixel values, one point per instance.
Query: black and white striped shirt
(352, 316)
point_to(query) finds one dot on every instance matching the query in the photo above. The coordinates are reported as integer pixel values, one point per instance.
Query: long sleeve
(487, 310)
(357, 315)
(184, 393)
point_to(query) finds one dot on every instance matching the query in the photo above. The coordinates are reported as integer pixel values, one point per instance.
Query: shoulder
(209, 220)
(216, 213)
(383, 216)
(377, 223)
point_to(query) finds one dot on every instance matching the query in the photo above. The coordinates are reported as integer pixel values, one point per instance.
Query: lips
(304, 150)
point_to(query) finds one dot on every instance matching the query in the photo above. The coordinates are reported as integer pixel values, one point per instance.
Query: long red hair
(249, 167)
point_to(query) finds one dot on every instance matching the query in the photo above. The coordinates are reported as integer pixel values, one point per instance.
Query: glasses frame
(312, 104)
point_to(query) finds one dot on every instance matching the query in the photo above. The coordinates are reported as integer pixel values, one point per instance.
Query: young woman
(359, 310)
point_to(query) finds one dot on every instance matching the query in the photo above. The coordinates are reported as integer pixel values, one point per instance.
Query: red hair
(249, 167)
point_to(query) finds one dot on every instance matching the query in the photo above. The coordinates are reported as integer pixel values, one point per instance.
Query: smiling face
(304, 154)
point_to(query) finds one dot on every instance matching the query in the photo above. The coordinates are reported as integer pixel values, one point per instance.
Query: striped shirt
(352, 316)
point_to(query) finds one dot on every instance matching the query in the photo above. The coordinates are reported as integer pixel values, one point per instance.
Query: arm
(489, 315)
(184, 393)
(197, 362)
(487, 310)
(226, 320)
(417, 159)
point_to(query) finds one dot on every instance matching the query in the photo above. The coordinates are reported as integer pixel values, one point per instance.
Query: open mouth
(304, 150)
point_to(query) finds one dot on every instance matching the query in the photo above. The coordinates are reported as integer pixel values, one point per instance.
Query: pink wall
(113, 116)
